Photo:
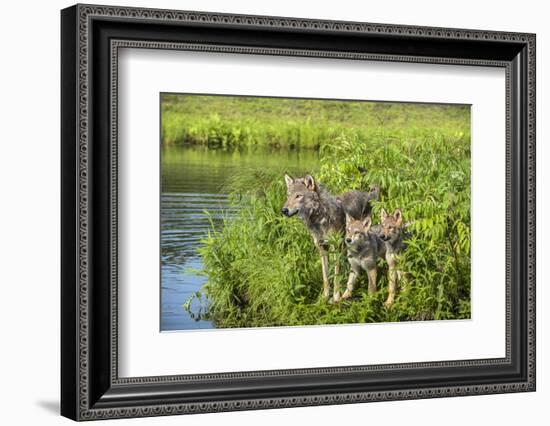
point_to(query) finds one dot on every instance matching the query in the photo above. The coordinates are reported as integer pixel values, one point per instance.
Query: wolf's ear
(288, 180)
(383, 215)
(348, 218)
(367, 222)
(398, 217)
(310, 183)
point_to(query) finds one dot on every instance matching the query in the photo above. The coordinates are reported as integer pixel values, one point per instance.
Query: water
(194, 180)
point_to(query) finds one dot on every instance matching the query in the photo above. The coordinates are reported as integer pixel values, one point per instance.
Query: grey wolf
(391, 231)
(323, 214)
(364, 248)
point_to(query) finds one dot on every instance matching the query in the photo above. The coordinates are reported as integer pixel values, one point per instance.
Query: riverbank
(231, 122)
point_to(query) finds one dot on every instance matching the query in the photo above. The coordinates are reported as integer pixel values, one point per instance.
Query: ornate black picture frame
(90, 385)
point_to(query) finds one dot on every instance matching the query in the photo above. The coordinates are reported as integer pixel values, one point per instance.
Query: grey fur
(392, 233)
(322, 214)
(358, 203)
(367, 243)
(364, 248)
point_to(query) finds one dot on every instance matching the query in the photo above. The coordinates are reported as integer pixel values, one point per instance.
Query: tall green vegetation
(262, 267)
(225, 122)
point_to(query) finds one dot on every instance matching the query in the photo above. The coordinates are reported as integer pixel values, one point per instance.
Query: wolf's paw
(336, 297)
(388, 302)
(326, 295)
(346, 295)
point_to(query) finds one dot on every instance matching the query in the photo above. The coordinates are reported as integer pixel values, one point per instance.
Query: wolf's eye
(298, 196)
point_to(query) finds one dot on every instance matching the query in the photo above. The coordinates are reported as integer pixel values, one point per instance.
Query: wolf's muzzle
(287, 212)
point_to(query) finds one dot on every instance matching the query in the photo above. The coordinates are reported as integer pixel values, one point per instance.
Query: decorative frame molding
(91, 37)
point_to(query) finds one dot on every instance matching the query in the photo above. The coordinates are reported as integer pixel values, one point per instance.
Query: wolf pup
(391, 232)
(364, 248)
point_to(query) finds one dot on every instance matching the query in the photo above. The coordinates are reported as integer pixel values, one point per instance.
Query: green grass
(226, 122)
(263, 269)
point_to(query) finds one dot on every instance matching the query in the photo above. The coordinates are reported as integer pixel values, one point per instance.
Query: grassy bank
(233, 122)
(263, 269)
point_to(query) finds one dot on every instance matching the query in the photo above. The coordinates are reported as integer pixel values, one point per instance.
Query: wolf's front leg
(392, 286)
(350, 284)
(372, 273)
(392, 279)
(324, 267)
(336, 290)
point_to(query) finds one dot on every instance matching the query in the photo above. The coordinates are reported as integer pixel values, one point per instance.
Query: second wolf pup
(364, 248)
(391, 232)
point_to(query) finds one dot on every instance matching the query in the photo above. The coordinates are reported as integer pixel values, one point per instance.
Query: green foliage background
(230, 122)
(263, 269)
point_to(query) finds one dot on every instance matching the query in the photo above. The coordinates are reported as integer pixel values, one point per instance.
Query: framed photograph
(263, 212)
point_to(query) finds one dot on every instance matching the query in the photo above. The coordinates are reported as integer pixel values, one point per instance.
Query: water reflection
(193, 181)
